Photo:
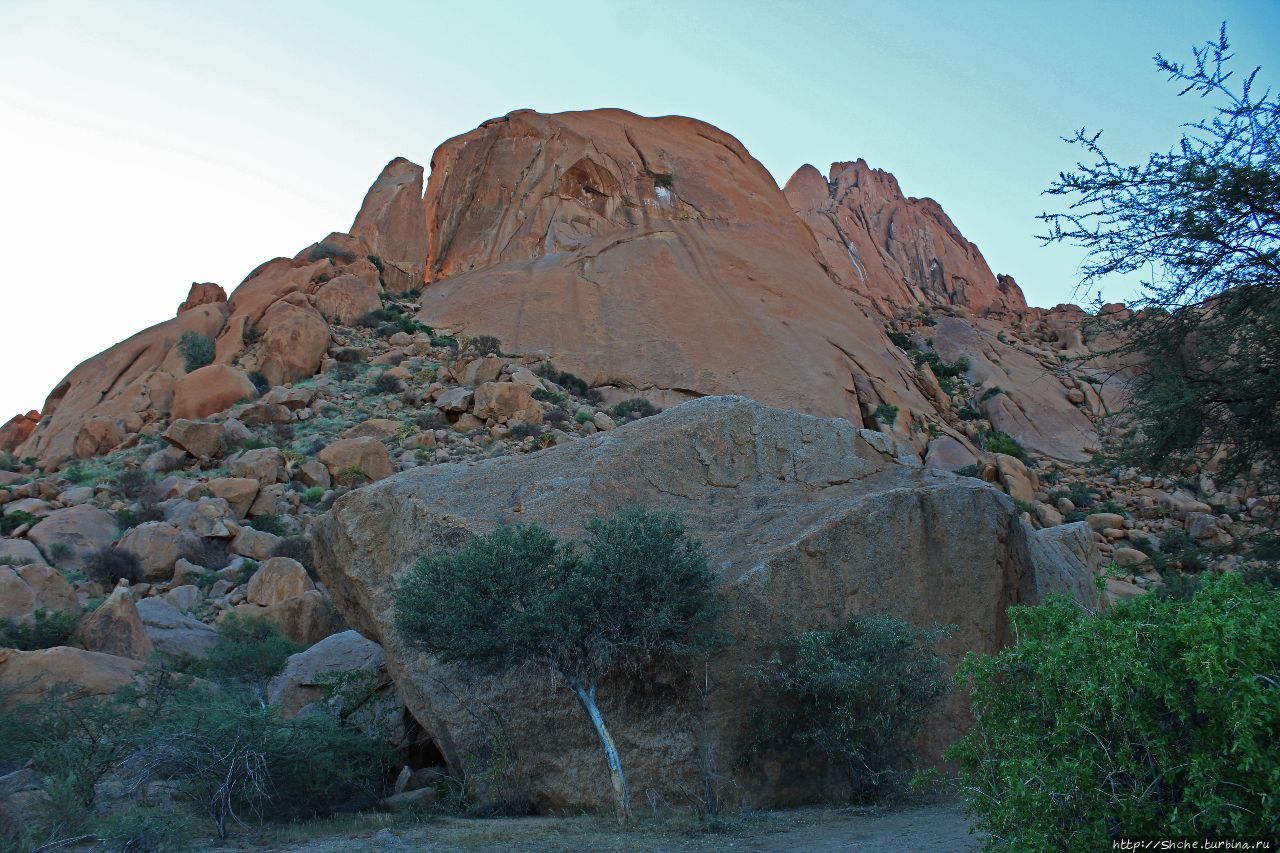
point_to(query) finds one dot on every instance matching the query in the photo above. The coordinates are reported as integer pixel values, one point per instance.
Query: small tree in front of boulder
(519, 596)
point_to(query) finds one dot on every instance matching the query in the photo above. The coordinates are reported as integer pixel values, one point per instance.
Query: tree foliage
(856, 694)
(518, 596)
(1201, 224)
(1155, 718)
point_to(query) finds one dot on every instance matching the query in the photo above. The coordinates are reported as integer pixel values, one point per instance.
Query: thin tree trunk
(587, 696)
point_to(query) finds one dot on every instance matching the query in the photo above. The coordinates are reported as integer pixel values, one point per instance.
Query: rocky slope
(451, 363)
(807, 523)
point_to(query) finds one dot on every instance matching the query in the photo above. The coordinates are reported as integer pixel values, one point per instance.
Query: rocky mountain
(887, 427)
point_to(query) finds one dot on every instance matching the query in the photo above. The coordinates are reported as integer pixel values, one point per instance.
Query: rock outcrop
(805, 522)
(392, 223)
(898, 252)
(654, 253)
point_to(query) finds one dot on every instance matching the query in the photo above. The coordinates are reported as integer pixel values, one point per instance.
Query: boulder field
(651, 256)
(806, 523)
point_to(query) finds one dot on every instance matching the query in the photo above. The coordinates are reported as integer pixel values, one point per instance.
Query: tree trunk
(587, 696)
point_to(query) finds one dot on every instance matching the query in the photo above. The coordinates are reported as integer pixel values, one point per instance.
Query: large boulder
(295, 340)
(209, 390)
(366, 455)
(73, 673)
(81, 530)
(172, 633)
(347, 297)
(805, 524)
(34, 586)
(305, 618)
(202, 439)
(158, 546)
(115, 628)
(504, 401)
(277, 579)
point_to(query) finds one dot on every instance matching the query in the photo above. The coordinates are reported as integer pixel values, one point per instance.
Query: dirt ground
(934, 826)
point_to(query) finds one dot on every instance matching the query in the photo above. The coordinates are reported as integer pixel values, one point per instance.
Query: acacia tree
(1201, 223)
(519, 596)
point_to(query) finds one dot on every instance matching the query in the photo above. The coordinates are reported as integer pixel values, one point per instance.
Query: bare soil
(933, 826)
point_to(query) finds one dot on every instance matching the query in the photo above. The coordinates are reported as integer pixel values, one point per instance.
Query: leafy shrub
(131, 483)
(385, 383)
(343, 371)
(47, 629)
(519, 597)
(15, 519)
(87, 473)
(1155, 718)
(112, 564)
(545, 396)
(856, 694)
(444, 341)
(901, 340)
(248, 653)
(311, 494)
(556, 416)
(969, 471)
(324, 249)
(484, 345)
(260, 382)
(8, 462)
(999, 442)
(886, 414)
(583, 416)
(296, 548)
(377, 263)
(196, 350)
(633, 409)
(990, 392)
(272, 524)
(524, 430)
(571, 383)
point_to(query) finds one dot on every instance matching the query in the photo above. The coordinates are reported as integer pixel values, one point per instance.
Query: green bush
(15, 519)
(112, 564)
(1155, 718)
(901, 340)
(196, 350)
(519, 597)
(857, 695)
(260, 381)
(545, 396)
(45, 631)
(248, 653)
(969, 471)
(384, 383)
(272, 524)
(886, 414)
(8, 462)
(999, 442)
(484, 345)
(311, 494)
(636, 407)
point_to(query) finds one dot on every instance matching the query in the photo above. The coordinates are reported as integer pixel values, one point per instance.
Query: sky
(145, 145)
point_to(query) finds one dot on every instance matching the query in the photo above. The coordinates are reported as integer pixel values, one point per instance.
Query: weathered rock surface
(29, 676)
(805, 524)
(115, 628)
(894, 250)
(209, 390)
(79, 529)
(173, 633)
(392, 223)
(653, 251)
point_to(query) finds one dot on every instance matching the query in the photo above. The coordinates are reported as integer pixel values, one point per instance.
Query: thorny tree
(1201, 224)
(519, 597)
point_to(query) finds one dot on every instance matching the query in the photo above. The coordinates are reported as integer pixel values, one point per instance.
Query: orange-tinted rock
(295, 341)
(209, 390)
(392, 223)
(97, 435)
(896, 251)
(654, 252)
(206, 293)
(115, 628)
(346, 297)
(29, 676)
(19, 428)
(131, 379)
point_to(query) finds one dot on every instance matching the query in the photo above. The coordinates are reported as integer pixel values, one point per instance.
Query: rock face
(29, 676)
(805, 523)
(896, 251)
(393, 225)
(210, 389)
(652, 252)
(121, 384)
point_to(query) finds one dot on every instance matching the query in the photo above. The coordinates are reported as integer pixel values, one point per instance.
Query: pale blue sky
(150, 144)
